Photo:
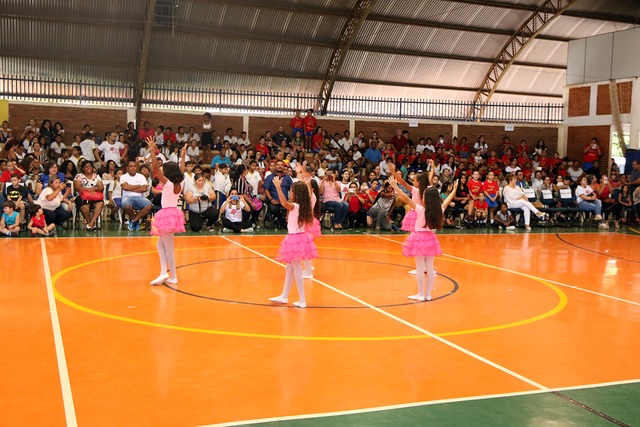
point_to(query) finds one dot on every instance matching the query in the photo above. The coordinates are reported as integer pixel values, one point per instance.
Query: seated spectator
(135, 187)
(200, 199)
(221, 184)
(90, 191)
(245, 190)
(504, 219)
(587, 200)
(330, 192)
(379, 214)
(516, 199)
(575, 172)
(18, 194)
(274, 207)
(231, 212)
(38, 223)
(10, 221)
(624, 202)
(51, 200)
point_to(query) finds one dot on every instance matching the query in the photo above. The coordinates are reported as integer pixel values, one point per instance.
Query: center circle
(454, 289)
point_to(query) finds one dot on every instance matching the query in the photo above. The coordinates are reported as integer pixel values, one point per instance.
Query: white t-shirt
(111, 152)
(87, 146)
(182, 138)
(580, 190)
(345, 143)
(193, 152)
(231, 139)
(244, 142)
(234, 212)
(357, 156)
(50, 205)
(137, 179)
(57, 148)
(253, 178)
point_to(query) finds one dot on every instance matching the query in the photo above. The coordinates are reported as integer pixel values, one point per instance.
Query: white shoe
(307, 276)
(248, 230)
(172, 281)
(603, 225)
(300, 304)
(597, 218)
(159, 280)
(227, 230)
(416, 297)
(511, 227)
(279, 299)
(414, 272)
(428, 298)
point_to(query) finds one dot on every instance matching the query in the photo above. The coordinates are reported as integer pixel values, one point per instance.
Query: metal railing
(158, 96)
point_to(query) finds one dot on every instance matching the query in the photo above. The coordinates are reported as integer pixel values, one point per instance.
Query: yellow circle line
(563, 300)
(634, 230)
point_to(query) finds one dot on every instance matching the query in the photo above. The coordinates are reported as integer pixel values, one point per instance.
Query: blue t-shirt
(44, 178)
(10, 219)
(287, 182)
(217, 160)
(373, 155)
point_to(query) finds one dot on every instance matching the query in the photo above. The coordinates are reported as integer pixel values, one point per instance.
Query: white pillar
(454, 130)
(352, 127)
(635, 115)
(245, 124)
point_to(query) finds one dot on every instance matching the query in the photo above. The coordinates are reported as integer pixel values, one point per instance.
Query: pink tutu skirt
(421, 243)
(297, 247)
(168, 220)
(409, 221)
(314, 229)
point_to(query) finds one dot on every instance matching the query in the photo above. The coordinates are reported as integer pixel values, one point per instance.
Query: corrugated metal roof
(103, 11)
(66, 70)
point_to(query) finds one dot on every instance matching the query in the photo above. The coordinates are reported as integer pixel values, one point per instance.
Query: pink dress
(314, 229)
(298, 244)
(170, 218)
(423, 241)
(409, 220)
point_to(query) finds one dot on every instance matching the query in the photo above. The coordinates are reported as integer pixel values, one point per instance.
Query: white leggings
(526, 207)
(167, 257)
(294, 271)
(424, 264)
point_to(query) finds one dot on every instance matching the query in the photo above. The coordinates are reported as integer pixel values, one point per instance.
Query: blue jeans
(341, 209)
(595, 206)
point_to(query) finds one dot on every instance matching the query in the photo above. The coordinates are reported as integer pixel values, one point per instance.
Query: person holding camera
(231, 212)
(330, 192)
(200, 199)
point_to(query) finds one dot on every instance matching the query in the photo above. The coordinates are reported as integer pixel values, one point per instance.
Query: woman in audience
(330, 191)
(90, 191)
(380, 212)
(51, 199)
(109, 173)
(245, 191)
(587, 200)
(575, 172)
(231, 212)
(516, 199)
(625, 203)
(38, 152)
(200, 198)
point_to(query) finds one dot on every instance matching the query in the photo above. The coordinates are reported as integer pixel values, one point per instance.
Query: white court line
(404, 322)
(524, 274)
(417, 404)
(65, 383)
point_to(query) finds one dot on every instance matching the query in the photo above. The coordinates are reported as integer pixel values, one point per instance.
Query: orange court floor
(87, 341)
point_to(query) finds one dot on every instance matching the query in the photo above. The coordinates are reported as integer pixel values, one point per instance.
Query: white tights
(424, 264)
(167, 257)
(308, 268)
(294, 271)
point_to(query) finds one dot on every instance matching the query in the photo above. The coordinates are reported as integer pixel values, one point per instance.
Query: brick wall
(495, 134)
(72, 118)
(579, 101)
(624, 97)
(580, 136)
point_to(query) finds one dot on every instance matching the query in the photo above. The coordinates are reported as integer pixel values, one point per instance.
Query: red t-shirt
(491, 187)
(144, 134)
(309, 123)
(527, 174)
(317, 141)
(263, 148)
(591, 155)
(399, 143)
(6, 175)
(38, 223)
(354, 204)
(297, 123)
(492, 161)
(544, 162)
(475, 188)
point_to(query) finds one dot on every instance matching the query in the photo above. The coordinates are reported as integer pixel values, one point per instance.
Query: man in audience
(274, 206)
(146, 132)
(134, 186)
(110, 150)
(88, 147)
(398, 140)
(281, 137)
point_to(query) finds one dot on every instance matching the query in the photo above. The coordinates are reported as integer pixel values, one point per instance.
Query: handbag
(91, 195)
(257, 203)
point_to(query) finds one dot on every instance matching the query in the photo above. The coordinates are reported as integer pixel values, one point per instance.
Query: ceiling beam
(598, 16)
(138, 92)
(530, 29)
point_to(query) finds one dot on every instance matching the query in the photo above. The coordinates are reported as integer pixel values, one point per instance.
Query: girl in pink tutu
(423, 243)
(169, 219)
(314, 229)
(298, 245)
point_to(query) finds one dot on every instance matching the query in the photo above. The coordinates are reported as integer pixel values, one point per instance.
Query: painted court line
(418, 404)
(404, 322)
(65, 383)
(524, 274)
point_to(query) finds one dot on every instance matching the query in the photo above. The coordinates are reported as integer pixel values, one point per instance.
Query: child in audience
(490, 188)
(503, 218)
(9, 223)
(314, 229)
(38, 223)
(423, 244)
(298, 245)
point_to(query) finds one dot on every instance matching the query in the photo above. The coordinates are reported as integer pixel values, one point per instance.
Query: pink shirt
(415, 195)
(292, 220)
(330, 193)
(169, 199)
(421, 221)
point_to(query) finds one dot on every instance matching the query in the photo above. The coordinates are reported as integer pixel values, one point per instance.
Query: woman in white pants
(516, 199)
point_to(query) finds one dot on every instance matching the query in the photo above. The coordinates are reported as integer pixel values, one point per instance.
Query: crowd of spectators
(229, 179)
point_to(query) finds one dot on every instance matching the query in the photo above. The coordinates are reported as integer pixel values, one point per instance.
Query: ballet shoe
(413, 272)
(416, 298)
(160, 279)
(173, 281)
(279, 299)
(307, 276)
(300, 304)
(429, 298)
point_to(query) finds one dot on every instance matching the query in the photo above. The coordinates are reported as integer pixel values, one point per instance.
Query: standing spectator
(297, 123)
(309, 127)
(110, 149)
(592, 154)
(88, 147)
(634, 176)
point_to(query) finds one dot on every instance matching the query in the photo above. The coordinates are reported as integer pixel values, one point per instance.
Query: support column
(635, 115)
